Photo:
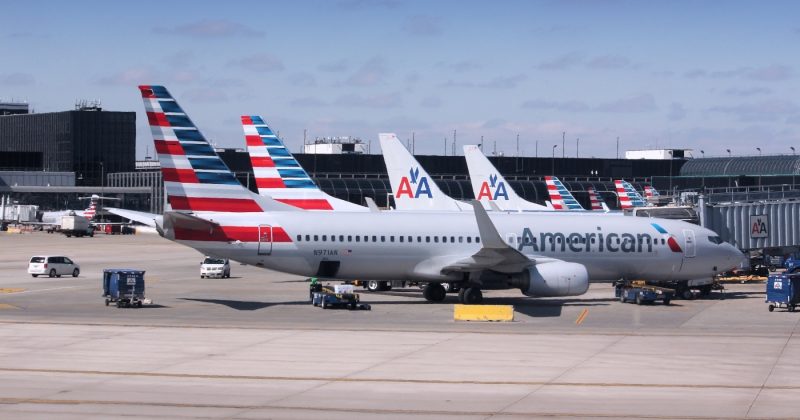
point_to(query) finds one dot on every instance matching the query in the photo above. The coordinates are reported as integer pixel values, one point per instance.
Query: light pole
(553, 169)
(792, 147)
(703, 153)
(759, 150)
(729, 152)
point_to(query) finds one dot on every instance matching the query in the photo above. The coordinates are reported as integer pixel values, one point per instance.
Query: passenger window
(427, 239)
(349, 238)
(452, 239)
(460, 239)
(324, 238)
(374, 238)
(299, 238)
(478, 240)
(391, 238)
(333, 238)
(419, 239)
(308, 238)
(410, 239)
(401, 238)
(436, 239)
(341, 238)
(366, 238)
(358, 238)
(316, 238)
(383, 238)
(469, 239)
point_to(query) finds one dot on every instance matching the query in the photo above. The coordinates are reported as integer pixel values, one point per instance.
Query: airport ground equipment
(640, 292)
(77, 226)
(124, 286)
(337, 296)
(783, 291)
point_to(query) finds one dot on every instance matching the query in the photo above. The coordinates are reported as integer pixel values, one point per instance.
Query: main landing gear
(435, 292)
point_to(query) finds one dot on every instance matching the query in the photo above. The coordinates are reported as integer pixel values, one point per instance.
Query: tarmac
(253, 347)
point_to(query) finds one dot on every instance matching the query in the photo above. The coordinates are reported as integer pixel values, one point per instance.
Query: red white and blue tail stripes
(650, 192)
(279, 176)
(195, 178)
(628, 197)
(560, 197)
(594, 199)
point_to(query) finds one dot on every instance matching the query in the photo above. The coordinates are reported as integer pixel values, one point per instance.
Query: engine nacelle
(555, 279)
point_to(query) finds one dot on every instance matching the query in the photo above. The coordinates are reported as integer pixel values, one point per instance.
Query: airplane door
(690, 249)
(264, 239)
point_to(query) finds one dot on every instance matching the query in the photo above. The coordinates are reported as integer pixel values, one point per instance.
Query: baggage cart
(783, 291)
(339, 296)
(640, 292)
(124, 287)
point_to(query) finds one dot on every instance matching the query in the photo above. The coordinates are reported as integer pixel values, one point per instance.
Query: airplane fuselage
(410, 246)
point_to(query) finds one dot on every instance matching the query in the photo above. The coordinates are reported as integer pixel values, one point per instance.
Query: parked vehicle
(783, 291)
(640, 292)
(124, 286)
(215, 267)
(53, 266)
(76, 226)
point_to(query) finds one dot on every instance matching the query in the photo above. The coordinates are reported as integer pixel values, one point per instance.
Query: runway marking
(315, 408)
(392, 380)
(8, 306)
(582, 316)
(51, 289)
(11, 289)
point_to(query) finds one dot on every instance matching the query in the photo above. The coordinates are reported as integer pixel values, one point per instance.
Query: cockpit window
(715, 239)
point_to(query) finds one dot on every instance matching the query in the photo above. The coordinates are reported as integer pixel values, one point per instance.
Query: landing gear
(378, 286)
(470, 296)
(434, 292)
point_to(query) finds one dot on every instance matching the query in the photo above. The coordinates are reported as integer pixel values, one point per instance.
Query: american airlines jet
(279, 176)
(412, 187)
(488, 185)
(541, 254)
(628, 196)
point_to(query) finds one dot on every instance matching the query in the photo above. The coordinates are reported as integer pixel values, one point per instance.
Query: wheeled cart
(640, 292)
(124, 287)
(783, 291)
(338, 296)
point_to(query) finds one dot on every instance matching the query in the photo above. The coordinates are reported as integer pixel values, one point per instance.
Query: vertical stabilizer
(560, 196)
(488, 184)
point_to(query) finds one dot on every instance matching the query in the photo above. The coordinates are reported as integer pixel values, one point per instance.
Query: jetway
(753, 225)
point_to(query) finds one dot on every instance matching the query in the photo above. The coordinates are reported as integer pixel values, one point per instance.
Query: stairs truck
(77, 226)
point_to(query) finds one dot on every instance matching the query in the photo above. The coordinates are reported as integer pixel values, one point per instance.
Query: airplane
(560, 197)
(597, 203)
(542, 254)
(279, 176)
(54, 217)
(412, 186)
(650, 192)
(488, 185)
(628, 196)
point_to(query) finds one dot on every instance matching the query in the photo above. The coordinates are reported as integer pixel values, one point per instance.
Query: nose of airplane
(733, 257)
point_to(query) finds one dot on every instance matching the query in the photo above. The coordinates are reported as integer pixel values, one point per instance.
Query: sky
(705, 75)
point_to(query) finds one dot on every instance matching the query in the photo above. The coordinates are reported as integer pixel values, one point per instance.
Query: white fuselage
(609, 247)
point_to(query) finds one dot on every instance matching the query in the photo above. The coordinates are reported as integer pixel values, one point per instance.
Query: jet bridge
(754, 225)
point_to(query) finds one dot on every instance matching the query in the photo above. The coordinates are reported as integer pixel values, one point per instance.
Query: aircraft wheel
(687, 294)
(434, 292)
(373, 285)
(472, 296)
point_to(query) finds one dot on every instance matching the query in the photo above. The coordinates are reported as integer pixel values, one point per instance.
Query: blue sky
(707, 75)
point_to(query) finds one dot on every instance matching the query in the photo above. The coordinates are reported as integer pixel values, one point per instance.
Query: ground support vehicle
(76, 226)
(783, 291)
(124, 286)
(640, 292)
(338, 296)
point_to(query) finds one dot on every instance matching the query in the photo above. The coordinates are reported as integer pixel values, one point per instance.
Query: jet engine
(552, 279)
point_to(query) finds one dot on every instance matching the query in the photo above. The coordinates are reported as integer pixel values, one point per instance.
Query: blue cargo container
(783, 291)
(124, 286)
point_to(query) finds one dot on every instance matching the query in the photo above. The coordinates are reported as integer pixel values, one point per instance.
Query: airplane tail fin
(91, 211)
(650, 192)
(488, 184)
(628, 197)
(279, 175)
(560, 196)
(594, 198)
(412, 187)
(195, 178)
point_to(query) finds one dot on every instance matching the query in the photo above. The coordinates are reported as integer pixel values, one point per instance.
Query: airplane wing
(495, 254)
(148, 219)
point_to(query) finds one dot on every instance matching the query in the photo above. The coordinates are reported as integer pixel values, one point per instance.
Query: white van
(53, 266)
(215, 267)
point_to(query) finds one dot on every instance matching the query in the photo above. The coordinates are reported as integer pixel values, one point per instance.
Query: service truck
(78, 226)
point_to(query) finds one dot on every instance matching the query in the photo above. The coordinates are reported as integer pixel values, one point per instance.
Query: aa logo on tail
(499, 189)
(421, 183)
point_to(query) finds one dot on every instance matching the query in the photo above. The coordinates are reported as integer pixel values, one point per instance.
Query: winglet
(371, 205)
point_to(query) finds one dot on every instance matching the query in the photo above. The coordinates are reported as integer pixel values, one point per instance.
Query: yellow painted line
(581, 317)
(495, 313)
(11, 289)
(7, 306)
